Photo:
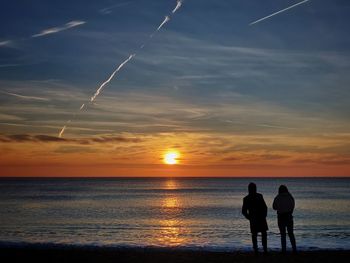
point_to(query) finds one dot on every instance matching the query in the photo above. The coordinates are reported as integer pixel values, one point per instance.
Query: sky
(233, 99)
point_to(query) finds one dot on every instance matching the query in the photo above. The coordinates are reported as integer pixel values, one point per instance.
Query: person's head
(282, 189)
(252, 188)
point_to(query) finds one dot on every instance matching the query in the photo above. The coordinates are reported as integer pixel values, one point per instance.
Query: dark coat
(254, 208)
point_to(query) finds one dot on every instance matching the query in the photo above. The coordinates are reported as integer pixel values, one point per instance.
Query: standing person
(255, 210)
(284, 204)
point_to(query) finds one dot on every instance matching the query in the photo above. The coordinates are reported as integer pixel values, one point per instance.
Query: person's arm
(264, 206)
(293, 203)
(245, 209)
(274, 205)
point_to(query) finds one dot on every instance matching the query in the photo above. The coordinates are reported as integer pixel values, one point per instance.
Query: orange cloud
(202, 154)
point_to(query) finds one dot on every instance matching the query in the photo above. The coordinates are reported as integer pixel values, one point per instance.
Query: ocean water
(167, 212)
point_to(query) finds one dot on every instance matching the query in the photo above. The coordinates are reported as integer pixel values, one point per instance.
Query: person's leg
(282, 227)
(255, 241)
(264, 240)
(290, 229)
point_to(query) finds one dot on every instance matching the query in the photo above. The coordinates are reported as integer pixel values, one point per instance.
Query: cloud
(8, 117)
(329, 160)
(15, 138)
(75, 149)
(178, 5)
(6, 43)
(166, 20)
(42, 127)
(42, 138)
(246, 86)
(54, 30)
(105, 139)
(25, 97)
(10, 65)
(255, 157)
(275, 126)
(108, 10)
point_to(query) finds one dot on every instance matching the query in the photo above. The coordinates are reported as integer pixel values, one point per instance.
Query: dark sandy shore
(101, 255)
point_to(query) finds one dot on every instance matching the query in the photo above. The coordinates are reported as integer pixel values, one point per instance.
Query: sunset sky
(270, 99)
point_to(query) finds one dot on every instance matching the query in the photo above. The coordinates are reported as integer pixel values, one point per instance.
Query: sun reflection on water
(171, 233)
(170, 184)
(171, 202)
(172, 228)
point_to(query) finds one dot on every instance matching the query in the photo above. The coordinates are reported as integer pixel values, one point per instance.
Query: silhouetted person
(284, 204)
(255, 210)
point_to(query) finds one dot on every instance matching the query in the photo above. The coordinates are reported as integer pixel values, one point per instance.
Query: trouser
(285, 222)
(263, 241)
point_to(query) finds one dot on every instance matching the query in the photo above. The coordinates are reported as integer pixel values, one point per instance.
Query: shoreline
(116, 247)
(75, 253)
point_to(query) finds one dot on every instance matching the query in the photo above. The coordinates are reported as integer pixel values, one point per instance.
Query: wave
(121, 247)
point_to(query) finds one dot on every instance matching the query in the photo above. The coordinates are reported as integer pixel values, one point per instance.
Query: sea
(186, 213)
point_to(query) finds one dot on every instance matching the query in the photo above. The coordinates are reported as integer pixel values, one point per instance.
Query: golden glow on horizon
(171, 157)
(208, 155)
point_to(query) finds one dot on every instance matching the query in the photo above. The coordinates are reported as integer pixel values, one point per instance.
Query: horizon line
(174, 177)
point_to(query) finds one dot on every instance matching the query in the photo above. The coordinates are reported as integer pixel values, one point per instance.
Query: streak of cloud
(64, 128)
(100, 88)
(62, 131)
(98, 91)
(278, 12)
(54, 30)
(8, 117)
(111, 77)
(5, 43)
(42, 138)
(53, 127)
(108, 10)
(178, 5)
(24, 97)
(10, 65)
(166, 20)
(275, 126)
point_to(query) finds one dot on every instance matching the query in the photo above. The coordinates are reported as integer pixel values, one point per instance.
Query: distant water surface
(163, 212)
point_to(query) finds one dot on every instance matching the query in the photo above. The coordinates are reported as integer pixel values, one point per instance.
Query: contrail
(100, 88)
(54, 30)
(62, 130)
(111, 77)
(108, 10)
(278, 12)
(24, 97)
(97, 91)
(178, 5)
(166, 20)
(5, 43)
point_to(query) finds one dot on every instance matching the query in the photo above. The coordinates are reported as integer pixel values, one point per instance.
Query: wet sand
(151, 255)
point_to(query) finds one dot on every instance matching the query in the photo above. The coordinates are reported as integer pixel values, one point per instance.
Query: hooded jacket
(284, 203)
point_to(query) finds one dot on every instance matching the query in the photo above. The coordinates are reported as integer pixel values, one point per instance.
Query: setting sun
(171, 157)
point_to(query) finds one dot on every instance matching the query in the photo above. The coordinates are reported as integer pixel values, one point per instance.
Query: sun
(171, 157)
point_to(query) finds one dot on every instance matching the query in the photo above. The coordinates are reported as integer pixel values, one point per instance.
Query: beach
(34, 253)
